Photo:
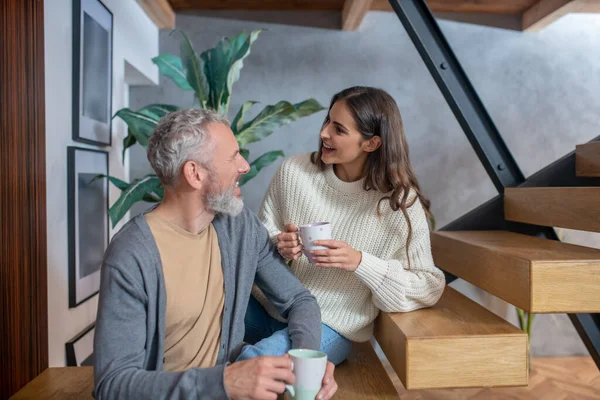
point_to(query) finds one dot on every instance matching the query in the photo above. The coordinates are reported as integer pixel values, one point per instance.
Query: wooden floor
(550, 378)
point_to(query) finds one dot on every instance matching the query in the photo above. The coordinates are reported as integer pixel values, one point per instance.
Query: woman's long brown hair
(388, 168)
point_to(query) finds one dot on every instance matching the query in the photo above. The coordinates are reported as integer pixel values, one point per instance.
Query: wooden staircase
(458, 343)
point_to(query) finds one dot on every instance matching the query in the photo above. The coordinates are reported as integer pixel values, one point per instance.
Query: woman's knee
(334, 345)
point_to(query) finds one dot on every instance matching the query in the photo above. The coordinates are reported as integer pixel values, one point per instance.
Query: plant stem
(521, 315)
(529, 323)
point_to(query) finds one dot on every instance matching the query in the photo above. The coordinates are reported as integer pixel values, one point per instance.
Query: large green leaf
(170, 66)
(193, 65)
(238, 121)
(223, 64)
(273, 117)
(136, 191)
(158, 110)
(261, 162)
(306, 108)
(150, 197)
(141, 126)
(141, 123)
(240, 52)
(128, 141)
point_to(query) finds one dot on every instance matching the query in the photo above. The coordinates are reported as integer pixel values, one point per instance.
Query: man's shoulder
(131, 245)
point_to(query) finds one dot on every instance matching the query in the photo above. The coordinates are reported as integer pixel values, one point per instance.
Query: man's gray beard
(225, 202)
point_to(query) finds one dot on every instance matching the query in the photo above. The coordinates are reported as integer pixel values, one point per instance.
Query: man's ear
(372, 144)
(194, 174)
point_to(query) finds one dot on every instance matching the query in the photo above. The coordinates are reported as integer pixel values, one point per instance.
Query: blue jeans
(268, 337)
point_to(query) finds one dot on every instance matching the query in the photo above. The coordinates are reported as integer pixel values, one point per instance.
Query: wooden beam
(160, 12)
(468, 6)
(589, 6)
(353, 13)
(267, 5)
(545, 12)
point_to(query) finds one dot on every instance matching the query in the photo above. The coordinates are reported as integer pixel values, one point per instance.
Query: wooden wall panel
(23, 257)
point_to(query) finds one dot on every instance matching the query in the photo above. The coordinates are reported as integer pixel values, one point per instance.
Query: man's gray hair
(179, 137)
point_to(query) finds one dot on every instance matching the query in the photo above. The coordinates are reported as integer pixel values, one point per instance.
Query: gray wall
(541, 90)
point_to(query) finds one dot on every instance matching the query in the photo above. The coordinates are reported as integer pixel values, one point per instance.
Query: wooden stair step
(564, 207)
(537, 275)
(456, 343)
(587, 159)
(363, 376)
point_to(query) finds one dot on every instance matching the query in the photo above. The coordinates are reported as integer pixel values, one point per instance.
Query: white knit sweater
(300, 193)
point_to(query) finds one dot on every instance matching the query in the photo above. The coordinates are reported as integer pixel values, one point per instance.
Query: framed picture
(88, 221)
(92, 72)
(80, 349)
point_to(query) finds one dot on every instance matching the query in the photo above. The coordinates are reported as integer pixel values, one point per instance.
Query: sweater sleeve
(395, 286)
(292, 300)
(270, 210)
(120, 347)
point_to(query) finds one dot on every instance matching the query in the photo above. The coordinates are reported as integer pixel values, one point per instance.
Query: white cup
(311, 232)
(309, 368)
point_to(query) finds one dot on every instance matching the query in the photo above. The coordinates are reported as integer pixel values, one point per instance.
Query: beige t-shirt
(195, 294)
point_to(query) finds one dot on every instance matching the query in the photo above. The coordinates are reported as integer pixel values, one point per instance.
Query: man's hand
(329, 384)
(288, 244)
(260, 378)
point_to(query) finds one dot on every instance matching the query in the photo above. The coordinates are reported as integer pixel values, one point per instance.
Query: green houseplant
(210, 75)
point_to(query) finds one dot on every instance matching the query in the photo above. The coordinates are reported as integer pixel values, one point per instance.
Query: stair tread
(534, 249)
(537, 275)
(454, 315)
(565, 207)
(363, 375)
(455, 343)
(587, 159)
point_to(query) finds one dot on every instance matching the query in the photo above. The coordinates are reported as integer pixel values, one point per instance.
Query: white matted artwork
(80, 349)
(92, 72)
(88, 221)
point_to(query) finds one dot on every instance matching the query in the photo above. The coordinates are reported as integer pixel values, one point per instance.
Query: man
(176, 281)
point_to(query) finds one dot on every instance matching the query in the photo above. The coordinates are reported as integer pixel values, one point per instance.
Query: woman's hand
(338, 255)
(288, 245)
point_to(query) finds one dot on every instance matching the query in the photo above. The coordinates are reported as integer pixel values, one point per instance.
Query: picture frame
(88, 222)
(92, 72)
(80, 349)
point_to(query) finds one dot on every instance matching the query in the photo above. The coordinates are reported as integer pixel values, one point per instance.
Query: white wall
(135, 41)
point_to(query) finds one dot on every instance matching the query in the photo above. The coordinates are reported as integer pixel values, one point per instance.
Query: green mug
(309, 368)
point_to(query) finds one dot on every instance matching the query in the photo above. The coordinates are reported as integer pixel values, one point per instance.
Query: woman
(361, 181)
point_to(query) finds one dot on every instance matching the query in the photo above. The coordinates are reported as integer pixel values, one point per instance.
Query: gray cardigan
(130, 326)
